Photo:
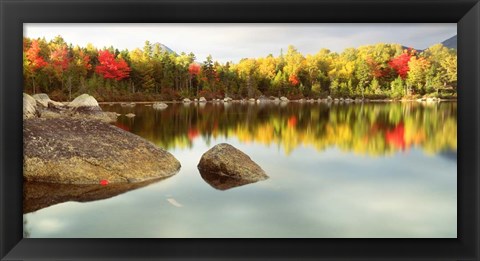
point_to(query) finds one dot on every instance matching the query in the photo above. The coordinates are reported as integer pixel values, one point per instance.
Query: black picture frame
(466, 13)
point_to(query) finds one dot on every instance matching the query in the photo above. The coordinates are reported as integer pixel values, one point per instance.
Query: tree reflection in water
(372, 129)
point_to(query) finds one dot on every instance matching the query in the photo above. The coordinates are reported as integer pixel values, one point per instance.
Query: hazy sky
(231, 42)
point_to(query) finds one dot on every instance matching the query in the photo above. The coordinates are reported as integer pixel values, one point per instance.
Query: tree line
(153, 73)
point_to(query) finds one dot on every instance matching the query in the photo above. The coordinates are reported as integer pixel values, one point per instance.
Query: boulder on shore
(284, 99)
(159, 106)
(29, 107)
(202, 99)
(224, 167)
(85, 102)
(79, 151)
(45, 101)
(86, 106)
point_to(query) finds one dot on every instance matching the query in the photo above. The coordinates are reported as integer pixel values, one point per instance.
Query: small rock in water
(130, 115)
(159, 106)
(225, 167)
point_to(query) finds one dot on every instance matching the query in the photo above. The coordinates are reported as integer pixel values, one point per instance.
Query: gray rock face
(44, 101)
(29, 107)
(79, 151)
(84, 101)
(85, 106)
(224, 167)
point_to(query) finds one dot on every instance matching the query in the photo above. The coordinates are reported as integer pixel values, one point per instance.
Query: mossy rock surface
(81, 151)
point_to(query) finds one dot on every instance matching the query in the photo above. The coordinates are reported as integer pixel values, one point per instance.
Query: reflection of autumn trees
(372, 129)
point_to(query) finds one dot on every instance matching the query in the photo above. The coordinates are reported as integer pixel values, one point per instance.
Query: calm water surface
(357, 170)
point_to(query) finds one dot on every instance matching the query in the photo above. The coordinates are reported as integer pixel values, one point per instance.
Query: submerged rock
(130, 115)
(224, 167)
(79, 151)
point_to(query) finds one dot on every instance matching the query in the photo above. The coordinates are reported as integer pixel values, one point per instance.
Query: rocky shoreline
(75, 144)
(273, 99)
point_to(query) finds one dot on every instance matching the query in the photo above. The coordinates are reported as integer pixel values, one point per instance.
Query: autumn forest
(154, 72)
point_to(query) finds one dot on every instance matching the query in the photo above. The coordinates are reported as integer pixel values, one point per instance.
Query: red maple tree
(293, 79)
(111, 68)
(194, 69)
(400, 64)
(33, 55)
(59, 59)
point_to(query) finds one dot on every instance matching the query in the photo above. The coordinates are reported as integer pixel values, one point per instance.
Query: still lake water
(356, 170)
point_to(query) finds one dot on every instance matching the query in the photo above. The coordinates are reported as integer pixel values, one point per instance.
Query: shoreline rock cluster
(83, 107)
(160, 105)
(75, 144)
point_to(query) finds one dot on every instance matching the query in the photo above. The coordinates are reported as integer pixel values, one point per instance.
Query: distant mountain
(451, 42)
(164, 48)
(406, 48)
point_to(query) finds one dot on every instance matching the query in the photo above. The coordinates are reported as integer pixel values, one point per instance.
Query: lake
(335, 170)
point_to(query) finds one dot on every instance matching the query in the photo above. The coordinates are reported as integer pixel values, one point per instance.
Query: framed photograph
(333, 130)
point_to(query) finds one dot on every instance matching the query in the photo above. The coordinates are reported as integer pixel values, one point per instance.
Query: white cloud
(235, 41)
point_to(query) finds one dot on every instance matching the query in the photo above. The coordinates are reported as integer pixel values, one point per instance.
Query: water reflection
(222, 182)
(38, 195)
(368, 129)
(328, 176)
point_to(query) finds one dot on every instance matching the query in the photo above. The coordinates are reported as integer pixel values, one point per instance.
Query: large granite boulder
(85, 102)
(45, 101)
(80, 151)
(29, 107)
(86, 106)
(224, 167)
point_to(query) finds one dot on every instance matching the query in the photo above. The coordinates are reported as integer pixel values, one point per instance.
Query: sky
(232, 42)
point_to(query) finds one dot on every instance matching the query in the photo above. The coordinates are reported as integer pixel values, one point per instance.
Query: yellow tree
(416, 77)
